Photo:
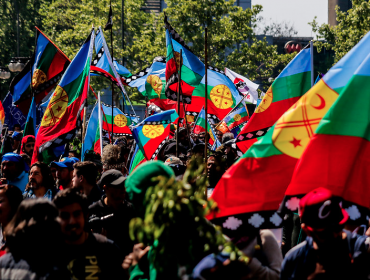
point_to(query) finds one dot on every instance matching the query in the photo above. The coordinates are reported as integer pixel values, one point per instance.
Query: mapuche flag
(151, 80)
(92, 135)
(137, 159)
(237, 117)
(288, 87)
(121, 121)
(48, 65)
(151, 133)
(200, 126)
(62, 116)
(192, 69)
(221, 93)
(266, 169)
(337, 157)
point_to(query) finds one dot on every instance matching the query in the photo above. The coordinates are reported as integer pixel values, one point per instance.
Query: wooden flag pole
(178, 106)
(206, 95)
(312, 67)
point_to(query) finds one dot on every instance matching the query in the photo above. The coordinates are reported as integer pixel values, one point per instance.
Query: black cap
(112, 178)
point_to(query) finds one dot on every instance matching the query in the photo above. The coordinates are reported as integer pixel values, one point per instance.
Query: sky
(297, 12)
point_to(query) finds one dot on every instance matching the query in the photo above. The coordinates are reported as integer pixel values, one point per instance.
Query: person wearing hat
(176, 164)
(230, 152)
(84, 178)
(28, 145)
(65, 171)
(114, 203)
(14, 171)
(329, 252)
(16, 140)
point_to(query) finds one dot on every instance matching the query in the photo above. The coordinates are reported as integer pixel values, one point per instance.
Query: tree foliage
(352, 27)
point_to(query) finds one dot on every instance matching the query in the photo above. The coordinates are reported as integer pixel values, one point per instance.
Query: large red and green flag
(151, 81)
(63, 115)
(192, 69)
(151, 134)
(200, 126)
(288, 87)
(337, 157)
(121, 121)
(266, 169)
(30, 126)
(43, 72)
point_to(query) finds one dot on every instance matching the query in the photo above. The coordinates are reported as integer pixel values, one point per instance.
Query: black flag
(109, 24)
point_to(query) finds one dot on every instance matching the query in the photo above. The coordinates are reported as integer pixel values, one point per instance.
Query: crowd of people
(74, 219)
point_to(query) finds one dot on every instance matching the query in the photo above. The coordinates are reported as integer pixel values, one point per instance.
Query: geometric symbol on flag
(152, 131)
(292, 204)
(353, 212)
(156, 84)
(221, 97)
(294, 129)
(260, 132)
(249, 135)
(120, 120)
(232, 223)
(56, 108)
(38, 78)
(190, 119)
(266, 102)
(276, 219)
(256, 220)
(237, 117)
(177, 60)
(211, 135)
(240, 138)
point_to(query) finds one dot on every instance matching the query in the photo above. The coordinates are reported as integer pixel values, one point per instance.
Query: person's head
(16, 139)
(198, 150)
(73, 211)
(219, 135)
(84, 173)
(34, 228)
(64, 172)
(17, 127)
(227, 137)
(53, 170)
(10, 198)
(322, 217)
(230, 151)
(73, 154)
(176, 164)
(12, 166)
(112, 158)
(28, 145)
(183, 136)
(113, 183)
(40, 176)
(202, 136)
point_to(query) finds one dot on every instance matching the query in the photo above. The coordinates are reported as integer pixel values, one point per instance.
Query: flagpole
(100, 124)
(178, 107)
(312, 67)
(111, 43)
(206, 96)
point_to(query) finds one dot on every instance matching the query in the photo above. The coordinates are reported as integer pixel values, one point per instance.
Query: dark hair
(26, 159)
(15, 197)
(70, 196)
(17, 125)
(34, 229)
(47, 178)
(87, 169)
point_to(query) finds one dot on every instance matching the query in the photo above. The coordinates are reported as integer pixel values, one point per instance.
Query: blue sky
(297, 12)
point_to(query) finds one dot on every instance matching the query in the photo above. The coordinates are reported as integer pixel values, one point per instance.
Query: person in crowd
(183, 140)
(41, 182)
(53, 170)
(177, 166)
(16, 141)
(216, 168)
(73, 153)
(231, 152)
(88, 255)
(227, 137)
(14, 171)
(28, 145)
(329, 251)
(219, 135)
(17, 128)
(34, 243)
(64, 172)
(10, 198)
(112, 159)
(95, 158)
(113, 213)
(293, 233)
(84, 178)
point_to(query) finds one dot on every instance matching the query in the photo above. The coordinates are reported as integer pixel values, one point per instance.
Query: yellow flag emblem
(221, 97)
(266, 102)
(56, 108)
(294, 129)
(152, 131)
(120, 120)
(156, 84)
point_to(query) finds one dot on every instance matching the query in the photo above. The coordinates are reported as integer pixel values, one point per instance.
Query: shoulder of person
(296, 251)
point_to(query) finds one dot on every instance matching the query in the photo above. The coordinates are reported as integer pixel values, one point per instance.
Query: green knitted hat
(141, 179)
